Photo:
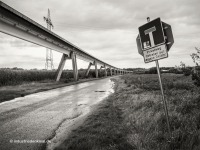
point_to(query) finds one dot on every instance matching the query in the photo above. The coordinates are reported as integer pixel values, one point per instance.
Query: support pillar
(105, 71)
(61, 66)
(96, 69)
(88, 70)
(74, 65)
(110, 71)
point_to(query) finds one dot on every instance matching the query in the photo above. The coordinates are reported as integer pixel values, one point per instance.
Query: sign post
(153, 43)
(161, 87)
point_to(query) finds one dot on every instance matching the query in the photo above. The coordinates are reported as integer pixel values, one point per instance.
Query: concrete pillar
(61, 66)
(96, 69)
(88, 70)
(74, 65)
(105, 71)
(110, 71)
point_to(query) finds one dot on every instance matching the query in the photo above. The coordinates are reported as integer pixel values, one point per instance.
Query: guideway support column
(110, 71)
(61, 66)
(88, 70)
(105, 70)
(96, 69)
(74, 65)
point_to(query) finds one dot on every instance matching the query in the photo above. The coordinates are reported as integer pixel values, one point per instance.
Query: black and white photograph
(99, 75)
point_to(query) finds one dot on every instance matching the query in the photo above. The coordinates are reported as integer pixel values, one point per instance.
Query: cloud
(108, 28)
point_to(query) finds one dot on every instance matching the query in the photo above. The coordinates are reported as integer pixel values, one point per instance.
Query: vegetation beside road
(16, 76)
(18, 82)
(133, 117)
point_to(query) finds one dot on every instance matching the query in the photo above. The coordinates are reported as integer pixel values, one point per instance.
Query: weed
(133, 117)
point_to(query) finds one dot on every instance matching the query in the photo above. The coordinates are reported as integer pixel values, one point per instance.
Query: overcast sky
(107, 29)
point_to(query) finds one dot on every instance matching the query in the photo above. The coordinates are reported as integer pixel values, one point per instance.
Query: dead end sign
(151, 34)
(152, 44)
(154, 40)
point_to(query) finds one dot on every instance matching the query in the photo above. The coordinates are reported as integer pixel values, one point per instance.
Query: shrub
(196, 75)
(186, 71)
(153, 70)
(18, 76)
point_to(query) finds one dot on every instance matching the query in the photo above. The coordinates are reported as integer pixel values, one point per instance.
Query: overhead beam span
(18, 25)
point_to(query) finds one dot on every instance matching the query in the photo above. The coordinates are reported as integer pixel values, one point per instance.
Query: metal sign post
(161, 87)
(163, 97)
(153, 42)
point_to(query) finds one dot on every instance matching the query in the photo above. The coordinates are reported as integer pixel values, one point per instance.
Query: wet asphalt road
(26, 122)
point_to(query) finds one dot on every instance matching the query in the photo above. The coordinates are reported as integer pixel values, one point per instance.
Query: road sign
(151, 34)
(168, 33)
(153, 43)
(155, 53)
(140, 51)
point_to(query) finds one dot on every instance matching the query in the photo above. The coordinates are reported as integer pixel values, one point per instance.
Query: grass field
(133, 117)
(18, 83)
(19, 76)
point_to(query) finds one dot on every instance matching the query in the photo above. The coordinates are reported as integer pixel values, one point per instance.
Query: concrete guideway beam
(61, 66)
(25, 35)
(18, 25)
(14, 23)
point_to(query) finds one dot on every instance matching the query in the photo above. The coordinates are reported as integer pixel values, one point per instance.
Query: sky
(107, 29)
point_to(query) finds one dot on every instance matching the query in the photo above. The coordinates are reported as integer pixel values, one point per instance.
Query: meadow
(133, 117)
(19, 82)
(20, 76)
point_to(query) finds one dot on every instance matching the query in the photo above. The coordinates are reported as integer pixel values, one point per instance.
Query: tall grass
(133, 117)
(14, 77)
(147, 114)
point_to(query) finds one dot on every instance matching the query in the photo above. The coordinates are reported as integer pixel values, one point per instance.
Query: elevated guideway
(18, 25)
